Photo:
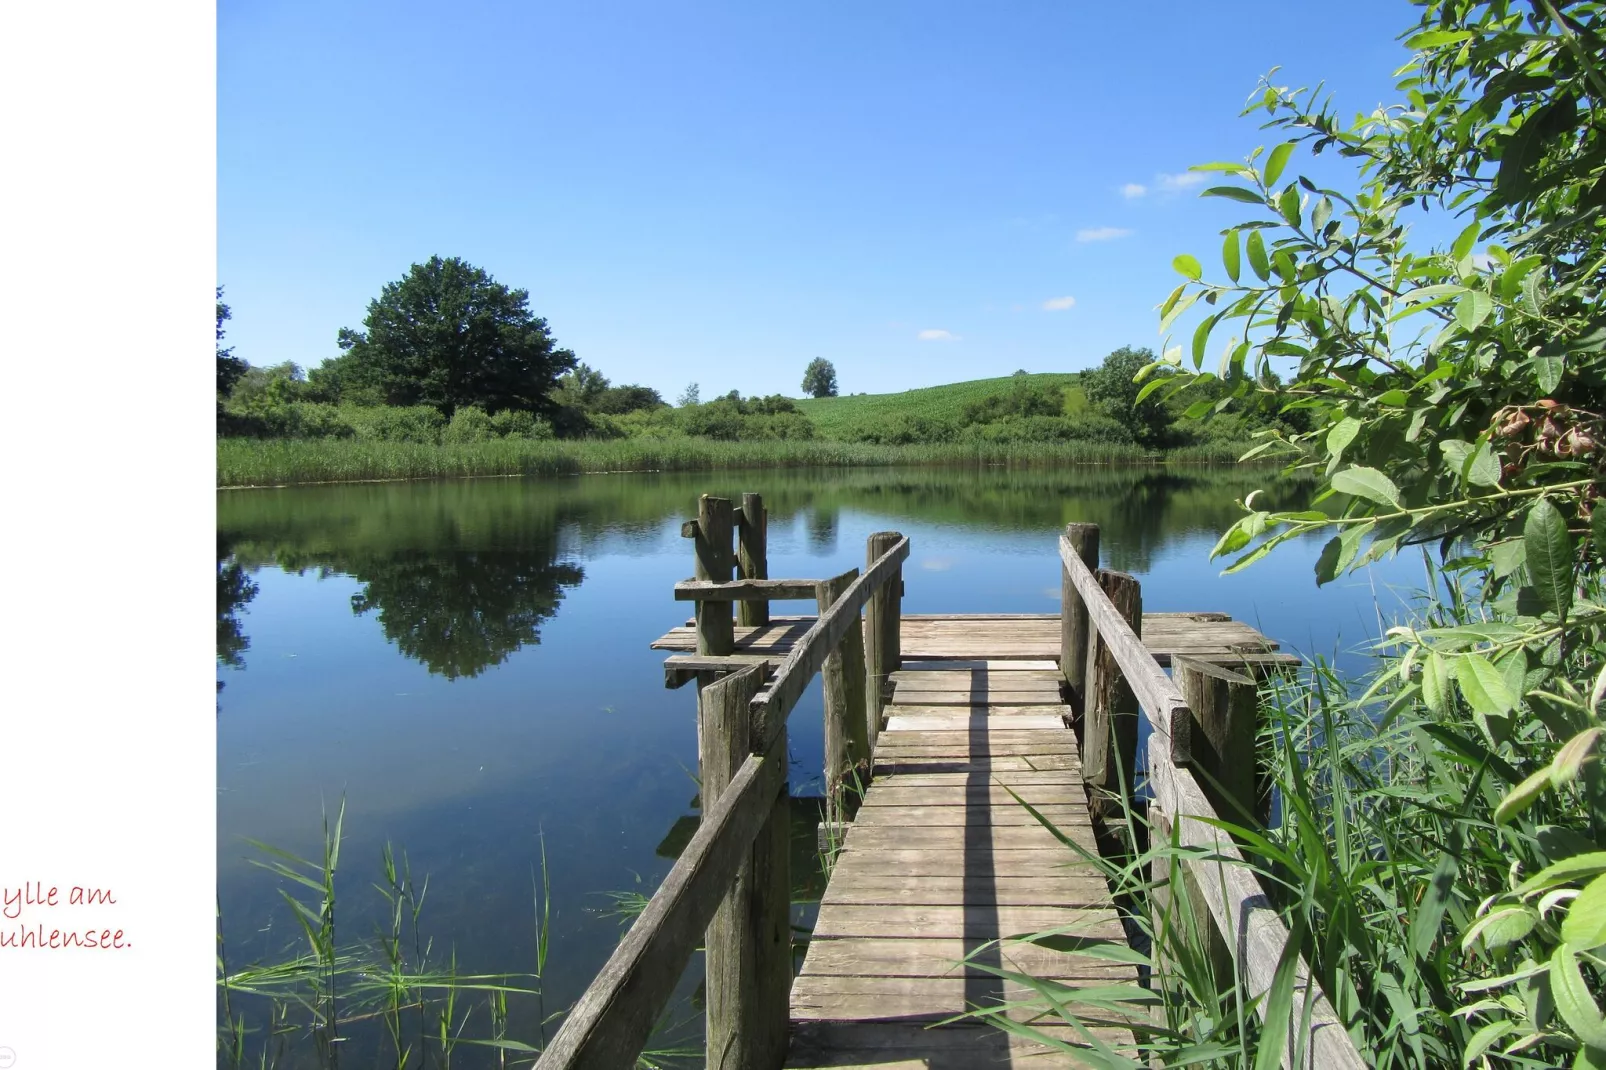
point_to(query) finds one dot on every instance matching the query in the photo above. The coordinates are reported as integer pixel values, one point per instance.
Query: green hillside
(842, 417)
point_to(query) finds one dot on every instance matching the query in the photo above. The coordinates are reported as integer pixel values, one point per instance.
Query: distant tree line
(447, 354)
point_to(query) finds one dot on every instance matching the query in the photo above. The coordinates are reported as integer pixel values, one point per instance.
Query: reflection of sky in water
(576, 739)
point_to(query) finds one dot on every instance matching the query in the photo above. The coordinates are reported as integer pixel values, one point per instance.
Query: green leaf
(1484, 469)
(1486, 1037)
(1437, 39)
(1367, 483)
(1483, 686)
(1321, 214)
(1342, 434)
(1549, 550)
(1459, 456)
(1168, 318)
(1597, 533)
(1507, 557)
(1229, 254)
(1573, 1001)
(1288, 205)
(1235, 193)
(1188, 267)
(1500, 927)
(1578, 867)
(1465, 241)
(1473, 308)
(1277, 161)
(1524, 795)
(1435, 684)
(1570, 759)
(1255, 247)
(1549, 364)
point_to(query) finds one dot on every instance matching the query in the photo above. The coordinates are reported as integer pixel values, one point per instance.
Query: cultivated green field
(839, 418)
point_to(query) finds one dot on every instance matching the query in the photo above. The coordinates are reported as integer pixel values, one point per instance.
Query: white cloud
(1102, 233)
(936, 334)
(1177, 183)
(1133, 190)
(1059, 304)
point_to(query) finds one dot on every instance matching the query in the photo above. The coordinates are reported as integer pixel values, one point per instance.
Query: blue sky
(718, 193)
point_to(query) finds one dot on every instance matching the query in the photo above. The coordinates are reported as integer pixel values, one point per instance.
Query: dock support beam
(1074, 627)
(883, 619)
(1221, 737)
(716, 634)
(752, 557)
(748, 957)
(1110, 726)
(847, 708)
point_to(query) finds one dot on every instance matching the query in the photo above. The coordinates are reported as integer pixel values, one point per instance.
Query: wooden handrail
(1238, 904)
(611, 1022)
(808, 656)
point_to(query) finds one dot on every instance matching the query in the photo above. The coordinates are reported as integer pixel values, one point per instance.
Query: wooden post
(752, 558)
(1221, 737)
(847, 721)
(1110, 728)
(882, 621)
(715, 633)
(748, 959)
(1074, 626)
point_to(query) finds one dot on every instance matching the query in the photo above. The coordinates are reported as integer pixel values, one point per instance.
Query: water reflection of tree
(461, 613)
(234, 591)
(822, 526)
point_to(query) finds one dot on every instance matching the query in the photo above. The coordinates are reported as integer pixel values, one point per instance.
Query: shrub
(513, 423)
(468, 424)
(395, 423)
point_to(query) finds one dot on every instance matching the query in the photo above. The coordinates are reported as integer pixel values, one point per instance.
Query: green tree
(448, 334)
(689, 396)
(819, 379)
(1113, 389)
(1459, 398)
(229, 366)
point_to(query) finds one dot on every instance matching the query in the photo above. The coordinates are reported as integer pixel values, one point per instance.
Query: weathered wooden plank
(963, 720)
(1043, 860)
(996, 837)
(610, 1023)
(990, 665)
(913, 999)
(983, 812)
(914, 1045)
(915, 709)
(971, 697)
(894, 792)
(838, 921)
(748, 957)
(945, 678)
(886, 765)
(1086, 890)
(809, 654)
(752, 557)
(943, 957)
(745, 591)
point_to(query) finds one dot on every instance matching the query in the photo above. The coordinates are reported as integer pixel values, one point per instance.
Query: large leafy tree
(447, 334)
(1113, 389)
(819, 379)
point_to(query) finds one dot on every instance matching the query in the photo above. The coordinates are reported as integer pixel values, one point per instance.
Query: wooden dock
(941, 860)
(937, 728)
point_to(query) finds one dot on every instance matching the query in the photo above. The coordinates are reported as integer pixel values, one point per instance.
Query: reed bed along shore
(245, 462)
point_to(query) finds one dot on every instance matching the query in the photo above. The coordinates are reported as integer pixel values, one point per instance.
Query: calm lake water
(467, 664)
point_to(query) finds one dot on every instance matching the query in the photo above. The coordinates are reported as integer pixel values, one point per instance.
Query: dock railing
(730, 889)
(1202, 721)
